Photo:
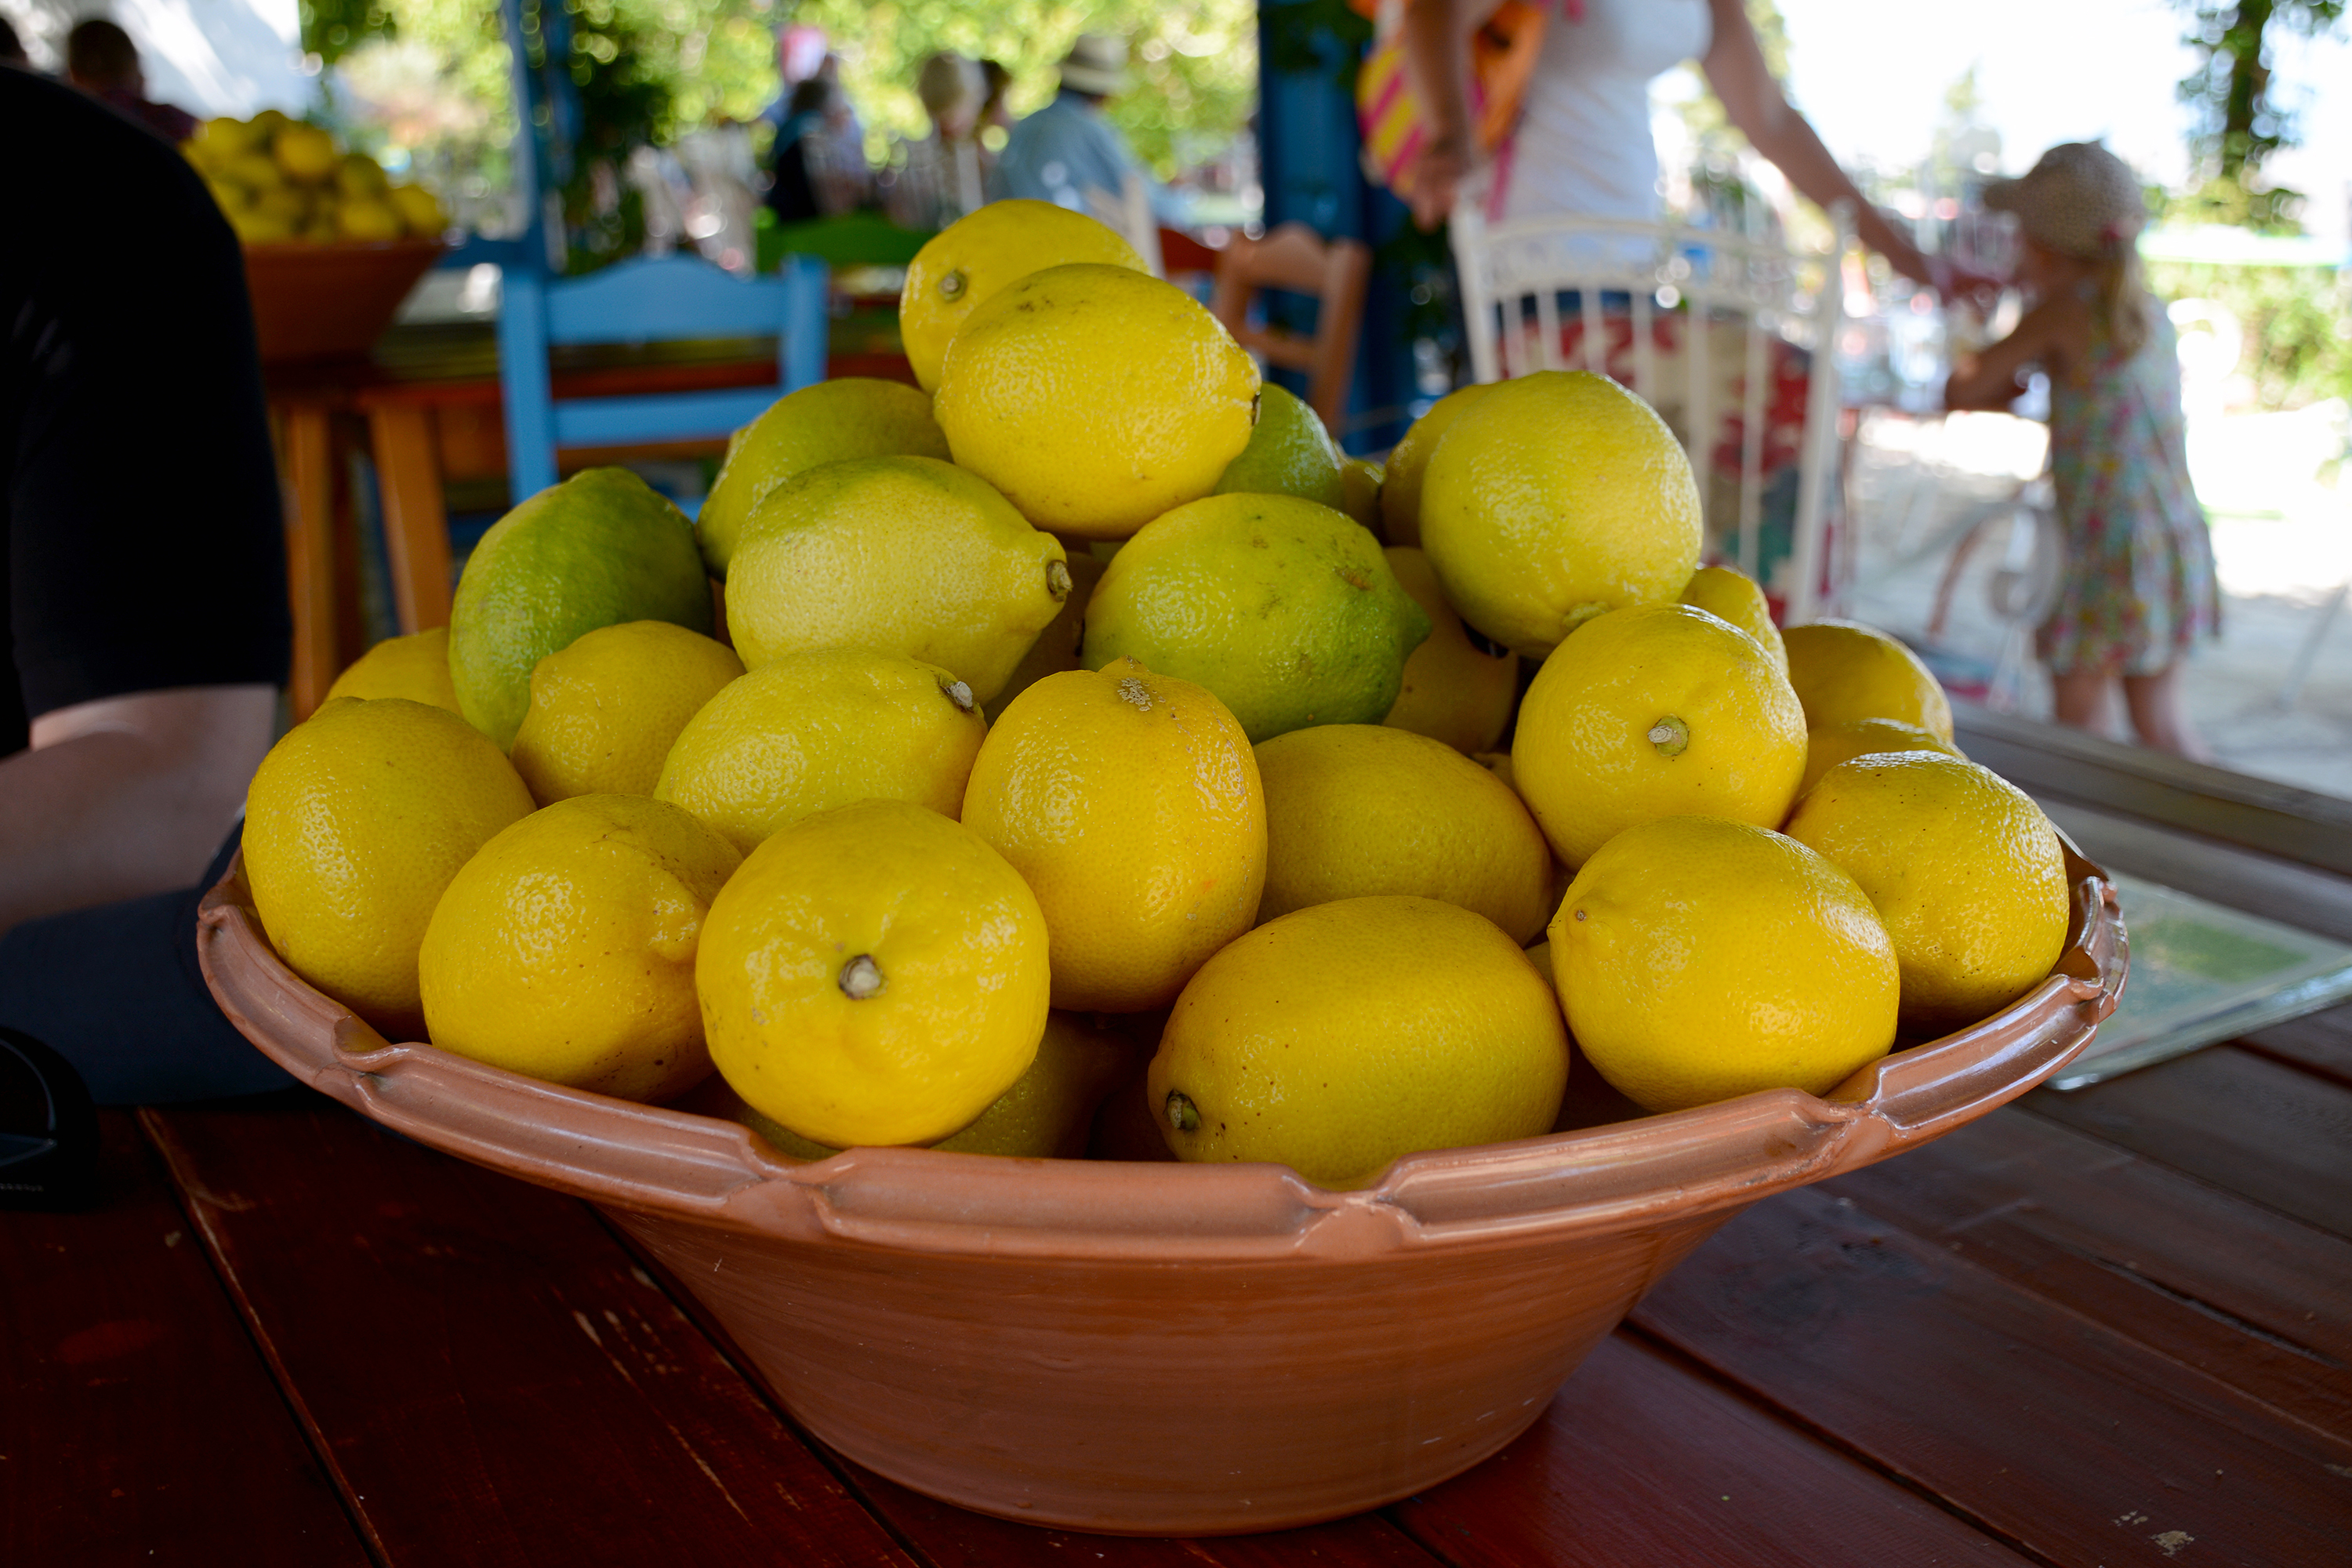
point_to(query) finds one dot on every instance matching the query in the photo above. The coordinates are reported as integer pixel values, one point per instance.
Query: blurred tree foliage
(1194, 62)
(2239, 125)
(2297, 325)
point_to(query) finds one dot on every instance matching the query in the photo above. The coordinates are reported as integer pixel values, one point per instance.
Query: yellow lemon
(905, 555)
(1130, 803)
(1842, 670)
(565, 947)
(370, 218)
(304, 152)
(1452, 691)
(1056, 648)
(1289, 454)
(420, 210)
(604, 711)
(1045, 1116)
(1359, 481)
(1353, 810)
(1555, 496)
(855, 417)
(1699, 959)
(256, 171)
(1337, 1038)
(971, 259)
(873, 975)
(1096, 398)
(1285, 609)
(814, 731)
(599, 549)
(357, 175)
(1408, 465)
(225, 137)
(356, 821)
(1658, 711)
(1733, 594)
(1965, 870)
(1831, 744)
(415, 666)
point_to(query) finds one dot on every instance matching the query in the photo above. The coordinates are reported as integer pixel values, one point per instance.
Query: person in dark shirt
(103, 61)
(143, 622)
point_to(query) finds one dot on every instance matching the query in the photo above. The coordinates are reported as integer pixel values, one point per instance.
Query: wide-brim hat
(1096, 64)
(2079, 199)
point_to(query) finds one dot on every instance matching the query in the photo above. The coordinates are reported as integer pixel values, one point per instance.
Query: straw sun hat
(1096, 64)
(2078, 200)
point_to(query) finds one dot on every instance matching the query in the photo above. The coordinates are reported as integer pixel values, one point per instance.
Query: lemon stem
(951, 286)
(1057, 581)
(1182, 1114)
(861, 978)
(958, 693)
(1670, 735)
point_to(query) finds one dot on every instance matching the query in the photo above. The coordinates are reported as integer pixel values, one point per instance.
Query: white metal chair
(1743, 289)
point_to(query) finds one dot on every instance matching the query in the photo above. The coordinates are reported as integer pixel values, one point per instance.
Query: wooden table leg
(310, 552)
(415, 523)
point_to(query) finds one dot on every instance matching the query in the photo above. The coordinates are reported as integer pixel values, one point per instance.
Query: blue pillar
(1308, 163)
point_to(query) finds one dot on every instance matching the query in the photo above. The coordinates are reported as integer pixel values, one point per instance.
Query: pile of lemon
(278, 179)
(1062, 734)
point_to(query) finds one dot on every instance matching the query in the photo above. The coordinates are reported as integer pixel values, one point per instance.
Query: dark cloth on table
(139, 504)
(116, 991)
(140, 543)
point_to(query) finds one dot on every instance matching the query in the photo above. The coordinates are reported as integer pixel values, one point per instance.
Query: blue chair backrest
(646, 300)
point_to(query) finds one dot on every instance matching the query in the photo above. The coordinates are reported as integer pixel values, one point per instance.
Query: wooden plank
(952, 1537)
(2245, 1123)
(1642, 1461)
(415, 523)
(2320, 1044)
(2252, 1298)
(124, 1366)
(310, 552)
(492, 1378)
(2075, 1443)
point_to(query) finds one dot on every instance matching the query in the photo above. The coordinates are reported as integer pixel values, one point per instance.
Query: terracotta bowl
(1165, 1349)
(314, 300)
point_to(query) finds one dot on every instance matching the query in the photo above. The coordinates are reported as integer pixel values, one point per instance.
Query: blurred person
(1068, 149)
(818, 160)
(12, 47)
(940, 178)
(2138, 587)
(143, 622)
(1583, 145)
(995, 108)
(103, 61)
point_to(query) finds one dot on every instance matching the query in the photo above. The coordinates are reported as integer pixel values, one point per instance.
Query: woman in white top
(1583, 144)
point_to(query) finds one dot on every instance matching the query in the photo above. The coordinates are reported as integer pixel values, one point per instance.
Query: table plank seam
(158, 1137)
(1760, 1401)
(2187, 1172)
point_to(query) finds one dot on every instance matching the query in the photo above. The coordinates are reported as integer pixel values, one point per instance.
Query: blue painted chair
(647, 300)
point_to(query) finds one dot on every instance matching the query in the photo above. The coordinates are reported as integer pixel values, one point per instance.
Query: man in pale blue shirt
(1067, 149)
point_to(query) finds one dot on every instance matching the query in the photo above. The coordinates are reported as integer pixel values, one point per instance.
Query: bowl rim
(690, 1167)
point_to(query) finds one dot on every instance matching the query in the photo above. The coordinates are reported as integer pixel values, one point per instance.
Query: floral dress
(2138, 585)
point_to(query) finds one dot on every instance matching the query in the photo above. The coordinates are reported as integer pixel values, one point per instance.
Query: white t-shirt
(1584, 146)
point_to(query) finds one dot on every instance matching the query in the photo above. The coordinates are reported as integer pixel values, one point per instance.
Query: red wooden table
(2105, 1328)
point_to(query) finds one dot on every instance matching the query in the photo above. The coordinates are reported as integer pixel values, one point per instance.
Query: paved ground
(2281, 537)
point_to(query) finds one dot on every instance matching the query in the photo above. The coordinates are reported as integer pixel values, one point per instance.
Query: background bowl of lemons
(331, 243)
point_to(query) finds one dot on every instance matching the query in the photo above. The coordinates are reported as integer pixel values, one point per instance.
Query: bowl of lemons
(1138, 1005)
(332, 244)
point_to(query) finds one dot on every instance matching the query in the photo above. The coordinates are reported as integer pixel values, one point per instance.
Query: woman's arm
(1436, 59)
(125, 795)
(1735, 67)
(1988, 381)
